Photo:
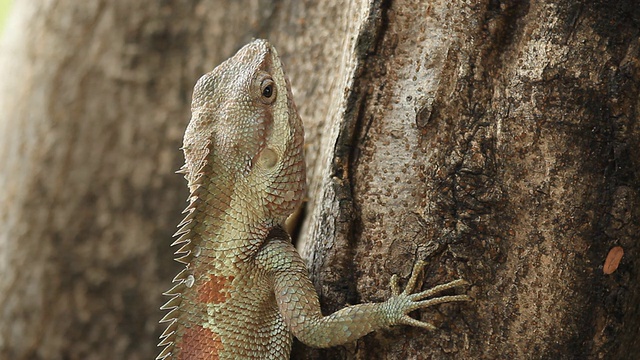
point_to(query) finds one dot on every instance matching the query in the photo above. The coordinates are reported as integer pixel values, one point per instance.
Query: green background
(5, 6)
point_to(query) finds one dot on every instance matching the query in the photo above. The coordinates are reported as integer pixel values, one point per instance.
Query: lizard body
(245, 291)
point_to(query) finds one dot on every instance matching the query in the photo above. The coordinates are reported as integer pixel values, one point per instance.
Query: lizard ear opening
(268, 158)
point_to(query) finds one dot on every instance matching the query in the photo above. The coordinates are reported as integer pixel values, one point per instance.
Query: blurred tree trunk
(95, 97)
(494, 139)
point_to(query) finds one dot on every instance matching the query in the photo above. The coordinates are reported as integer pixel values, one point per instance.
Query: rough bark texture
(495, 139)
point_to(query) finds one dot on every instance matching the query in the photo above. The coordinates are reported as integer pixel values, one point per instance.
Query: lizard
(245, 291)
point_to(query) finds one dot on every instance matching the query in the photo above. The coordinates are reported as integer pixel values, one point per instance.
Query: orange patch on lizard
(199, 343)
(215, 290)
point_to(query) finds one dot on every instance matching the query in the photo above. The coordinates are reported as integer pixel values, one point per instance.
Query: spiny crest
(184, 256)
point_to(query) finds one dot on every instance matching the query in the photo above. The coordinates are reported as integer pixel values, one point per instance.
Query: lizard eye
(268, 91)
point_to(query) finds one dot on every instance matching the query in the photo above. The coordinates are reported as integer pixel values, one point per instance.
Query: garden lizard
(245, 291)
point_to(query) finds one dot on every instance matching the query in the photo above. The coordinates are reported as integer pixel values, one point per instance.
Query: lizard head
(245, 137)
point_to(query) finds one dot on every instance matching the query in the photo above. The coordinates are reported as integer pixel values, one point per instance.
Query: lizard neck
(227, 217)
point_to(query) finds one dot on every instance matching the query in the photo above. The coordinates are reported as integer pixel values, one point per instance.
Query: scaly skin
(245, 291)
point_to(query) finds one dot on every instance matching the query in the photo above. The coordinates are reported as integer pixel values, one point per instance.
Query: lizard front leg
(300, 308)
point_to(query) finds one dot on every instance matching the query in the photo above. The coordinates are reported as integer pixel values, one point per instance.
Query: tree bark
(496, 141)
(493, 139)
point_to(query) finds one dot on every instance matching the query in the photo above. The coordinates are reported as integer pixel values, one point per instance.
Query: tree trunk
(95, 98)
(496, 141)
(493, 139)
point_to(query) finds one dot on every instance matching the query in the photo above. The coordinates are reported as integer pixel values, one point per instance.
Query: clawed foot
(402, 303)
